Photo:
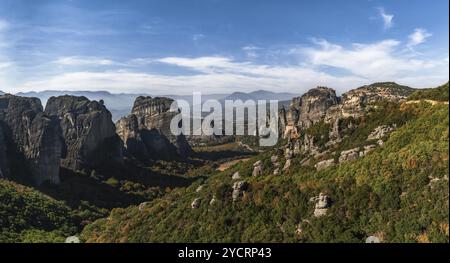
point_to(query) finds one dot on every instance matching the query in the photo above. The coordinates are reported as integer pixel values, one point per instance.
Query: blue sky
(216, 46)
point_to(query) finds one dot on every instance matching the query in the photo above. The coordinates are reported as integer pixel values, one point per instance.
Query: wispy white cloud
(84, 61)
(418, 37)
(375, 62)
(197, 37)
(251, 51)
(388, 19)
(3, 25)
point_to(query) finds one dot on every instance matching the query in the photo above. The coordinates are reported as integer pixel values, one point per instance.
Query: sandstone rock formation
(307, 110)
(146, 132)
(88, 131)
(257, 168)
(238, 190)
(322, 104)
(32, 137)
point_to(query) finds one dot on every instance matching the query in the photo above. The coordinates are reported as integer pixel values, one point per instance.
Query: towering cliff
(31, 136)
(88, 131)
(146, 132)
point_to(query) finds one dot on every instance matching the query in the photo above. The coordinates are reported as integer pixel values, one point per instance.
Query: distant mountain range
(120, 104)
(261, 95)
(1, 92)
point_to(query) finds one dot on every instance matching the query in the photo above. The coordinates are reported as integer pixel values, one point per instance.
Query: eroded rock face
(146, 132)
(32, 136)
(313, 105)
(46, 149)
(88, 131)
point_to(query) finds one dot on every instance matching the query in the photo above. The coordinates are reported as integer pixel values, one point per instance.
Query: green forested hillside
(439, 94)
(29, 216)
(399, 193)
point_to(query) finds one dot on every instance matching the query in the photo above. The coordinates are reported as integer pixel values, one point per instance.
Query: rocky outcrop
(238, 190)
(349, 155)
(324, 164)
(306, 110)
(367, 150)
(276, 164)
(322, 104)
(322, 203)
(146, 132)
(196, 203)
(257, 168)
(31, 136)
(88, 131)
(381, 132)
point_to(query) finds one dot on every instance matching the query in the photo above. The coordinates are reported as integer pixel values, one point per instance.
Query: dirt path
(432, 102)
(225, 166)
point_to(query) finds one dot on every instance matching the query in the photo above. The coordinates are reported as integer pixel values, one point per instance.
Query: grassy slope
(388, 193)
(29, 216)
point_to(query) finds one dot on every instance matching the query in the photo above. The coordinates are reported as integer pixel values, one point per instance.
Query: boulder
(196, 203)
(276, 171)
(324, 164)
(213, 200)
(143, 205)
(257, 168)
(287, 165)
(349, 155)
(322, 205)
(238, 189)
(367, 150)
(199, 189)
(236, 176)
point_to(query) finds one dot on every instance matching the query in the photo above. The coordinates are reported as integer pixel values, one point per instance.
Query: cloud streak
(388, 19)
(418, 37)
